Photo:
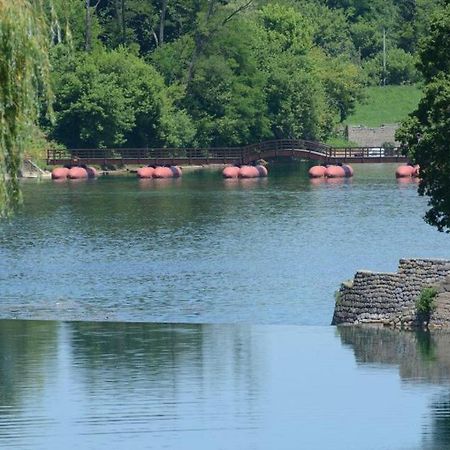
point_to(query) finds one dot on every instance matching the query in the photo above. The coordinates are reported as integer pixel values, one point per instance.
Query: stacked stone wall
(387, 297)
(372, 137)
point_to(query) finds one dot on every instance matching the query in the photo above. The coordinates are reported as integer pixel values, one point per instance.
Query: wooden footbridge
(294, 148)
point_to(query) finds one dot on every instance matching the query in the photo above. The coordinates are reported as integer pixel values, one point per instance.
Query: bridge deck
(295, 148)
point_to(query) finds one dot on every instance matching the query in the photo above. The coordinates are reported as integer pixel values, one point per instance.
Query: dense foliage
(426, 134)
(24, 74)
(222, 72)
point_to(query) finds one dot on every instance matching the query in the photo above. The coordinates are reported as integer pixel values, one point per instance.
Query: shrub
(425, 303)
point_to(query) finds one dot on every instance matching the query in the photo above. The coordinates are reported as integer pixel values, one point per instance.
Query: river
(194, 314)
(206, 250)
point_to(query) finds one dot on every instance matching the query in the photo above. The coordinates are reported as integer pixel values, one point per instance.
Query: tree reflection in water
(421, 356)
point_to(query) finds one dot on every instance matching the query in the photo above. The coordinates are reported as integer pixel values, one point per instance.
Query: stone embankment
(372, 137)
(389, 298)
(30, 170)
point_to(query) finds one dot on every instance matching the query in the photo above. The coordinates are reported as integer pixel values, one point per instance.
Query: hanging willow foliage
(24, 79)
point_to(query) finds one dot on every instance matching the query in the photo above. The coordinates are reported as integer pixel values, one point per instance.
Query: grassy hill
(385, 105)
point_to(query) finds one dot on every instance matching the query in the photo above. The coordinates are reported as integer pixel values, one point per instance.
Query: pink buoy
(262, 170)
(317, 172)
(76, 173)
(404, 171)
(348, 170)
(145, 172)
(230, 172)
(248, 172)
(92, 173)
(176, 171)
(162, 172)
(335, 172)
(60, 173)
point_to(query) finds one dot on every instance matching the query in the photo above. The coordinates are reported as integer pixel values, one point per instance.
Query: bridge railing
(225, 154)
(365, 152)
(285, 144)
(136, 154)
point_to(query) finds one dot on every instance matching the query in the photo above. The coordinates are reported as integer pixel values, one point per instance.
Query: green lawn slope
(385, 105)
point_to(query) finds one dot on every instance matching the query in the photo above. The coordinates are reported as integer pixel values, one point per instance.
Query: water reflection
(158, 183)
(421, 357)
(120, 380)
(23, 340)
(437, 435)
(124, 385)
(407, 181)
(246, 183)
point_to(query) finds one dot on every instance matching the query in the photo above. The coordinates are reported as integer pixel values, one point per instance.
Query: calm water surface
(206, 250)
(250, 260)
(79, 385)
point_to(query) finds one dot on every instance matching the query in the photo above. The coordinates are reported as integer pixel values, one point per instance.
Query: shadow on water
(421, 357)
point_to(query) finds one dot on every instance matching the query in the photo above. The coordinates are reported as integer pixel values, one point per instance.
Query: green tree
(71, 23)
(296, 98)
(343, 85)
(400, 68)
(109, 98)
(426, 133)
(330, 28)
(226, 95)
(218, 65)
(24, 72)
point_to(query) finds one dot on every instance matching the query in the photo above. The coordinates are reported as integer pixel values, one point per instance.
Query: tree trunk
(87, 42)
(200, 40)
(122, 17)
(162, 21)
(88, 36)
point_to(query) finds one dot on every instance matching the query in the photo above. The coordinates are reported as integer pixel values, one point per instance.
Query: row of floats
(258, 171)
(346, 171)
(73, 173)
(331, 171)
(159, 172)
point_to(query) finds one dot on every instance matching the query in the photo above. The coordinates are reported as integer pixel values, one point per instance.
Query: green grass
(385, 105)
(339, 141)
